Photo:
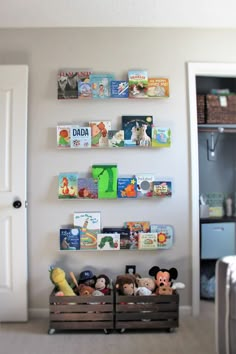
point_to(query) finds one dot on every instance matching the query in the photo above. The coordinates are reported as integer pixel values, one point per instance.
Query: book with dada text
(63, 136)
(67, 84)
(147, 241)
(69, 239)
(80, 137)
(119, 89)
(137, 130)
(161, 137)
(124, 233)
(165, 235)
(138, 83)
(108, 242)
(162, 188)
(126, 187)
(145, 185)
(116, 138)
(101, 85)
(67, 185)
(84, 85)
(99, 133)
(106, 175)
(135, 228)
(87, 188)
(158, 87)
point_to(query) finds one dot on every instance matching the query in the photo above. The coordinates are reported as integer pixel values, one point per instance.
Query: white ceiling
(118, 13)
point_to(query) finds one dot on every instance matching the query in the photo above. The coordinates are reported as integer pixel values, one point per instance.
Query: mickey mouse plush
(163, 279)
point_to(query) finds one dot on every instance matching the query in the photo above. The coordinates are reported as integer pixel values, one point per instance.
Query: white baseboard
(44, 312)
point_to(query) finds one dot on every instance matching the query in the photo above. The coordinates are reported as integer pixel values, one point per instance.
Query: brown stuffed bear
(85, 290)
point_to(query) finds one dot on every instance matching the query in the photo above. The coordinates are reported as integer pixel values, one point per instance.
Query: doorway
(195, 70)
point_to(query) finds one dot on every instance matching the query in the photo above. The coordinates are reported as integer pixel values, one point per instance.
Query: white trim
(199, 69)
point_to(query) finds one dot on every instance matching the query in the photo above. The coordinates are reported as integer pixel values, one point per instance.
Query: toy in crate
(156, 307)
(83, 307)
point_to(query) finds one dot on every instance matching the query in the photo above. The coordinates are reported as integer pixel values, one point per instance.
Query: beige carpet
(194, 336)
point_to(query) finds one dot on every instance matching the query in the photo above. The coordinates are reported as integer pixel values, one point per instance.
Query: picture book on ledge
(158, 87)
(147, 241)
(108, 242)
(101, 85)
(87, 220)
(127, 187)
(63, 136)
(119, 89)
(137, 130)
(165, 235)
(135, 228)
(161, 137)
(99, 133)
(106, 175)
(80, 137)
(116, 138)
(84, 85)
(145, 185)
(89, 224)
(69, 239)
(67, 84)
(67, 185)
(87, 188)
(138, 83)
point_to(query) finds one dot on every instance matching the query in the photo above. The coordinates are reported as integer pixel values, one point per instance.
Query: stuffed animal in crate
(148, 283)
(126, 284)
(85, 290)
(102, 284)
(58, 278)
(87, 277)
(163, 279)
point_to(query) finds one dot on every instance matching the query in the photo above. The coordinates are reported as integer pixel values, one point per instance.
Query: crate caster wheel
(171, 330)
(51, 331)
(122, 330)
(107, 331)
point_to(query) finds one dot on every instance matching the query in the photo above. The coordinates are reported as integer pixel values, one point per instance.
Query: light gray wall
(162, 52)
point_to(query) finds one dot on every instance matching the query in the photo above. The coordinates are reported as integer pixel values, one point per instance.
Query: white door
(13, 208)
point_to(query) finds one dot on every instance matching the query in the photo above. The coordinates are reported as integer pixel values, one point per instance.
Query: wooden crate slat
(81, 316)
(81, 325)
(144, 315)
(80, 299)
(139, 307)
(159, 299)
(146, 324)
(81, 308)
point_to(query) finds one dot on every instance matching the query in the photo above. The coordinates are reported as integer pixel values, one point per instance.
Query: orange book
(158, 87)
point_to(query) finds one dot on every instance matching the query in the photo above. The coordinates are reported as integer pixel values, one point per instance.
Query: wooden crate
(218, 114)
(146, 312)
(81, 312)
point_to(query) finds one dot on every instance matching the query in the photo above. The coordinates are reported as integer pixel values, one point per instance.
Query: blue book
(101, 85)
(119, 89)
(126, 187)
(70, 239)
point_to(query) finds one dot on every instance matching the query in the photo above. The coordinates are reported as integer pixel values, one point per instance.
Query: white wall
(162, 53)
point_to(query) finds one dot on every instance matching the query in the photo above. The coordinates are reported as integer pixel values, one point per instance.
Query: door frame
(198, 69)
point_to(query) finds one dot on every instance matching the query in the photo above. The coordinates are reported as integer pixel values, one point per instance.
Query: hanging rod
(220, 128)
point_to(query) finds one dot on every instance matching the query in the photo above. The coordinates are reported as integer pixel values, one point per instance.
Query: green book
(106, 176)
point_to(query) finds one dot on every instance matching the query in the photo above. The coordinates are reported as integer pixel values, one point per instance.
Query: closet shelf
(220, 128)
